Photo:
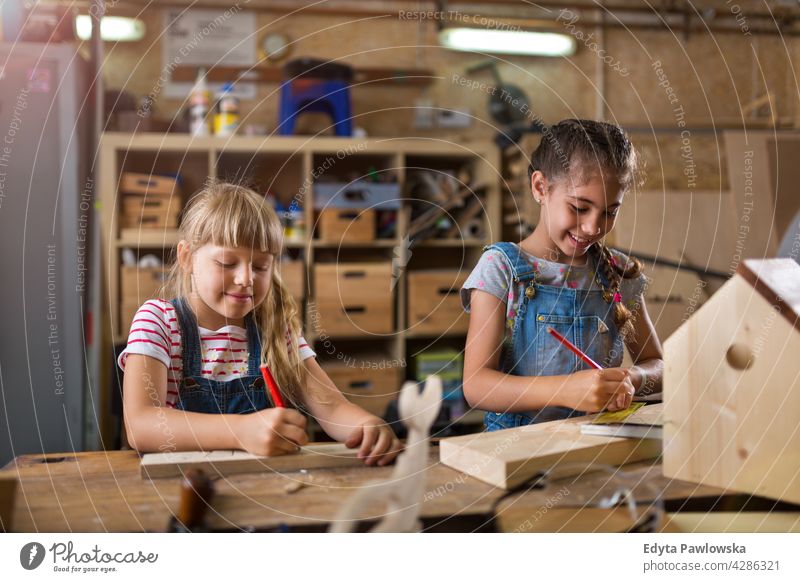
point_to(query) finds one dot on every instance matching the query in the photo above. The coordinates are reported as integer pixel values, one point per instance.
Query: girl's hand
(595, 390)
(376, 441)
(271, 432)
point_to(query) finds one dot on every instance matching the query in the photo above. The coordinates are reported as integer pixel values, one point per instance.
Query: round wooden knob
(740, 357)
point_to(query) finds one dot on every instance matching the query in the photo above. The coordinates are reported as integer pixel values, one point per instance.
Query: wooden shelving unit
(285, 166)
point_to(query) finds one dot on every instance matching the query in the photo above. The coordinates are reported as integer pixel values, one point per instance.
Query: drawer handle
(349, 215)
(357, 309)
(361, 385)
(448, 291)
(356, 195)
(355, 274)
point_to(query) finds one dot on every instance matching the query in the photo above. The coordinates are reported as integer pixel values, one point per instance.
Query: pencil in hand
(272, 386)
(573, 348)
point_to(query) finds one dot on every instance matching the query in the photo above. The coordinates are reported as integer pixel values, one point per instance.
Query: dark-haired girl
(562, 276)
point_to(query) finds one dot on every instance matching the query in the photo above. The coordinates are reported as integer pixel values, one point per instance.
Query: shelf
(434, 335)
(415, 146)
(455, 242)
(382, 243)
(285, 165)
(134, 237)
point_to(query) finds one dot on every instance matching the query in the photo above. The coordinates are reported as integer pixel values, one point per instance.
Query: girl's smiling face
(574, 216)
(227, 283)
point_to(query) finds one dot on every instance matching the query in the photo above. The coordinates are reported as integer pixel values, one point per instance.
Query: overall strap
(190, 338)
(520, 267)
(253, 345)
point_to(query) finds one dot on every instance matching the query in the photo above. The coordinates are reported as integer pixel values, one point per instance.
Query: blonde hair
(231, 215)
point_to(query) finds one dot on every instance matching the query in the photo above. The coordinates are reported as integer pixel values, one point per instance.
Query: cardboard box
(343, 225)
(434, 305)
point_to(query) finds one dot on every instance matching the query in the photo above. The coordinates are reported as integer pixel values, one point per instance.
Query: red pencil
(272, 386)
(573, 348)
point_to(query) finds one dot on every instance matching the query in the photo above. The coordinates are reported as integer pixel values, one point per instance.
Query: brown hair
(231, 215)
(577, 149)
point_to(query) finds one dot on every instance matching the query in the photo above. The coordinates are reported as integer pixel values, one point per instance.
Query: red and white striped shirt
(155, 332)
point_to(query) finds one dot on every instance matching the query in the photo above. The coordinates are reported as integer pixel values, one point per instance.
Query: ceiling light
(112, 28)
(507, 42)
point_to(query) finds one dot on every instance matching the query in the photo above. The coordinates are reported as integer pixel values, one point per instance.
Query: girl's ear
(538, 186)
(185, 257)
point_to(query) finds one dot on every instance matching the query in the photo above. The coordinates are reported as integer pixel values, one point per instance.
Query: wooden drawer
(152, 186)
(343, 225)
(354, 281)
(127, 310)
(353, 317)
(434, 305)
(141, 283)
(371, 389)
(150, 212)
(137, 285)
(293, 274)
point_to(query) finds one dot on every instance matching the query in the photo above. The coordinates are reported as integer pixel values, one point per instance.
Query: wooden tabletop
(103, 491)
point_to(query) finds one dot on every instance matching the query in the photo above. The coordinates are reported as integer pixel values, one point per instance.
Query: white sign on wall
(207, 38)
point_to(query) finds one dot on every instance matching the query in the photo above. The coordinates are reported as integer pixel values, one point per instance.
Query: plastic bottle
(198, 105)
(226, 121)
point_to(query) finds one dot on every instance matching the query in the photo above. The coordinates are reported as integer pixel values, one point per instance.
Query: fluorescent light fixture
(112, 28)
(507, 42)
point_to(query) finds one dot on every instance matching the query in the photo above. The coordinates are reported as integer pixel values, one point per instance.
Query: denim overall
(199, 394)
(583, 316)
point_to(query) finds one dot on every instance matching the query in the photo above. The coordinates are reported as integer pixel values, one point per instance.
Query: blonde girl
(192, 378)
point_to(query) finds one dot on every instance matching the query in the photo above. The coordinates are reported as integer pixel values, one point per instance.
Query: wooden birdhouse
(732, 386)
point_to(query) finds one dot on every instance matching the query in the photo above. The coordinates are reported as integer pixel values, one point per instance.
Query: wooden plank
(763, 174)
(570, 520)
(778, 281)
(735, 522)
(696, 227)
(732, 388)
(506, 458)
(160, 465)
(103, 491)
(8, 488)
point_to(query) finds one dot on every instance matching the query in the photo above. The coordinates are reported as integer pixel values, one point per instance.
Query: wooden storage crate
(148, 185)
(293, 274)
(149, 212)
(371, 388)
(137, 285)
(345, 225)
(353, 299)
(434, 305)
(357, 281)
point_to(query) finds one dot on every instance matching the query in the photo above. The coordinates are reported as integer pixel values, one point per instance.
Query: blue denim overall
(198, 394)
(583, 316)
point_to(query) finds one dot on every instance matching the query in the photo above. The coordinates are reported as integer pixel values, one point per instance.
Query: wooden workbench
(103, 491)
